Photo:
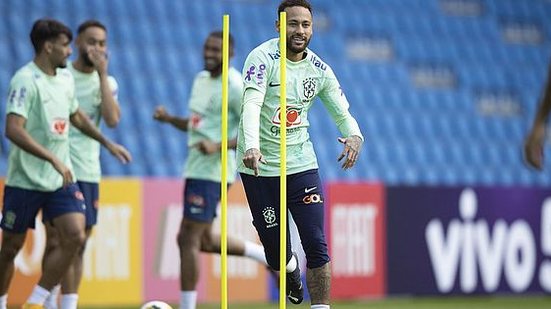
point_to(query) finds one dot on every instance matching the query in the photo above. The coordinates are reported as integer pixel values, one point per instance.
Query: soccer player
(259, 145)
(41, 106)
(202, 170)
(96, 92)
(533, 147)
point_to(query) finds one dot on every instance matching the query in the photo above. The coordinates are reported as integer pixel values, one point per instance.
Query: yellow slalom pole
(224, 150)
(283, 160)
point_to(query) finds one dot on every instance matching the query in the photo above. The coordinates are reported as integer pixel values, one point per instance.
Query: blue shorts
(201, 199)
(90, 190)
(21, 206)
(304, 202)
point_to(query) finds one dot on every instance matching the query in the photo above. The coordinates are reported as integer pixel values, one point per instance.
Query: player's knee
(273, 261)
(74, 240)
(316, 254)
(82, 248)
(180, 239)
(187, 239)
(8, 253)
(208, 245)
(11, 246)
(317, 261)
(52, 242)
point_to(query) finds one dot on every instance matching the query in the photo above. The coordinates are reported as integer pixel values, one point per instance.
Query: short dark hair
(220, 34)
(90, 23)
(290, 3)
(47, 29)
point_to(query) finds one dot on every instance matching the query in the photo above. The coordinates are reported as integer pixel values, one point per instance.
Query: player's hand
(251, 159)
(98, 59)
(119, 152)
(533, 147)
(208, 147)
(65, 172)
(161, 114)
(351, 151)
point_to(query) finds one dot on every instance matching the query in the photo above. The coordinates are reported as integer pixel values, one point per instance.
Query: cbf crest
(309, 85)
(269, 217)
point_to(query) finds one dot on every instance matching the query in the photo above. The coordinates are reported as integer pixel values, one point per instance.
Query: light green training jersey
(306, 79)
(46, 102)
(205, 107)
(85, 150)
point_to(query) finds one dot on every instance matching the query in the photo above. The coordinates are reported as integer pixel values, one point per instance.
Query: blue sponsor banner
(457, 240)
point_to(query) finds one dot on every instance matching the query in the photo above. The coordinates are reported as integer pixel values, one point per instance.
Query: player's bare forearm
(232, 143)
(533, 144)
(110, 110)
(209, 147)
(81, 122)
(162, 115)
(179, 123)
(16, 133)
(545, 105)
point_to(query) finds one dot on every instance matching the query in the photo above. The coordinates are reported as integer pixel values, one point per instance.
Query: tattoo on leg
(319, 284)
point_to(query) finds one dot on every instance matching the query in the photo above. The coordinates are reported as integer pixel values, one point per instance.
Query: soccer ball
(155, 304)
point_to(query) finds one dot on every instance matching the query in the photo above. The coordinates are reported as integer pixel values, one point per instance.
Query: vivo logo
(471, 246)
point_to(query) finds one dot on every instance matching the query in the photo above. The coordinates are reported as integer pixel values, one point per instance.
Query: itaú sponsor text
(471, 249)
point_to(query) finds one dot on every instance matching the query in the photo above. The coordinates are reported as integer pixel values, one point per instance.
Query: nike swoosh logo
(295, 299)
(307, 190)
(272, 84)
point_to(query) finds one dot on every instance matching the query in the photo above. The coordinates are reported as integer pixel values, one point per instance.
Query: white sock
(4, 301)
(38, 295)
(255, 252)
(292, 265)
(320, 306)
(51, 301)
(188, 299)
(69, 301)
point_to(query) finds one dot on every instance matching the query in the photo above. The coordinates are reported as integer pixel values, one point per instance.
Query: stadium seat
(413, 135)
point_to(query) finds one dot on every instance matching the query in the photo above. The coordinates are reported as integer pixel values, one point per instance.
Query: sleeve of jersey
(194, 95)
(252, 104)
(114, 86)
(20, 96)
(235, 97)
(235, 94)
(337, 105)
(255, 73)
(74, 100)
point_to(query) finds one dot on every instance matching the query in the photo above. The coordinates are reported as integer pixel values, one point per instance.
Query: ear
(277, 25)
(48, 47)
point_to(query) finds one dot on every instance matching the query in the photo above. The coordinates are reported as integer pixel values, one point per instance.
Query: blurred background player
(96, 92)
(533, 147)
(259, 146)
(202, 170)
(41, 106)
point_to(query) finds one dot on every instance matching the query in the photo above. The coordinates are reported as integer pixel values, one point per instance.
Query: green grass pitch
(482, 302)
